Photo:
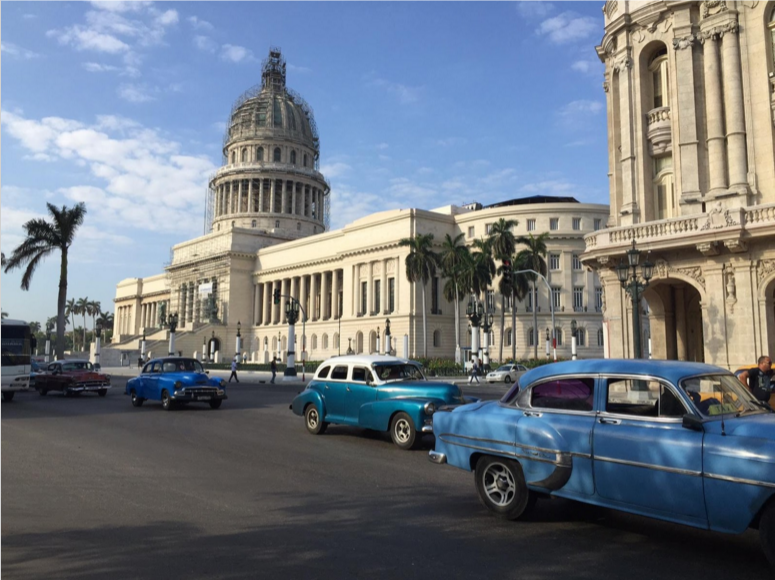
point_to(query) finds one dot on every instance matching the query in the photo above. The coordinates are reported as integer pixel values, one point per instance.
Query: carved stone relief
(730, 286)
(610, 8)
(713, 7)
(390, 266)
(662, 270)
(718, 218)
(764, 268)
(718, 31)
(377, 268)
(683, 42)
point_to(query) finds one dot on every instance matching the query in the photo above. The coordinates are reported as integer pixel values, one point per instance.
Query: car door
(142, 381)
(151, 386)
(644, 459)
(554, 436)
(359, 392)
(335, 394)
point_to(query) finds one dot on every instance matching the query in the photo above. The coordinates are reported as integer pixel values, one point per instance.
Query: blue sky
(124, 105)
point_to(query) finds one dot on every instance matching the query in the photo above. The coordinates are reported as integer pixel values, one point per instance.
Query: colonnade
(320, 294)
(191, 305)
(149, 314)
(269, 196)
(122, 322)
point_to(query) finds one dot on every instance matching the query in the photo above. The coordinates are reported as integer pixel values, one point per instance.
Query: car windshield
(398, 372)
(716, 395)
(504, 369)
(77, 366)
(186, 365)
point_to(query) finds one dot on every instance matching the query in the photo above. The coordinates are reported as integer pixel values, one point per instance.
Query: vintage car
(72, 377)
(175, 381)
(678, 441)
(374, 392)
(508, 373)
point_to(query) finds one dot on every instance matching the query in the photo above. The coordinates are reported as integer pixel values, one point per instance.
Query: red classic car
(72, 377)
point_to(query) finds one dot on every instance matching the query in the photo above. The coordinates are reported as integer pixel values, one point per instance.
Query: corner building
(690, 92)
(268, 219)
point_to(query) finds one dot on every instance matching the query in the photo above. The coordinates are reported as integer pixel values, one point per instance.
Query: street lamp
(573, 328)
(475, 312)
(292, 315)
(279, 346)
(376, 344)
(142, 347)
(628, 278)
(204, 347)
(212, 347)
(239, 340)
(98, 336)
(388, 346)
(486, 326)
(547, 343)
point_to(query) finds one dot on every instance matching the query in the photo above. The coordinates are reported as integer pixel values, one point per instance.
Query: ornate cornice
(610, 8)
(716, 32)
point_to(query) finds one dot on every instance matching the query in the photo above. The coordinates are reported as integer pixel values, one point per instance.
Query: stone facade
(690, 101)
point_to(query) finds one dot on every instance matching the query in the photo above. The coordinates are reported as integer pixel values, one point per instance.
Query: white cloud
(16, 51)
(535, 10)
(135, 93)
(550, 187)
(205, 44)
(167, 18)
(333, 170)
(97, 67)
(85, 39)
(587, 66)
(299, 69)
(451, 141)
(382, 146)
(118, 6)
(199, 24)
(233, 53)
(578, 115)
(406, 94)
(568, 27)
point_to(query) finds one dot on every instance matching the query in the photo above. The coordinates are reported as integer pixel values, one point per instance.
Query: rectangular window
(364, 297)
(530, 300)
(597, 224)
(578, 298)
(488, 229)
(554, 261)
(391, 295)
(435, 295)
(491, 300)
(530, 338)
(554, 223)
(576, 262)
(377, 289)
(576, 223)
(531, 225)
(471, 232)
(598, 298)
(556, 297)
(567, 394)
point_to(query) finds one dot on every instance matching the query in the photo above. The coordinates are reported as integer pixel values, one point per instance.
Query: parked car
(508, 373)
(72, 377)
(35, 369)
(382, 393)
(678, 441)
(175, 381)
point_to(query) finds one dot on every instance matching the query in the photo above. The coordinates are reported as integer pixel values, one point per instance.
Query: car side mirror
(693, 422)
(207, 372)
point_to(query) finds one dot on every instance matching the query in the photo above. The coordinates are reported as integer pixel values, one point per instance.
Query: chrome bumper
(427, 428)
(436, 457)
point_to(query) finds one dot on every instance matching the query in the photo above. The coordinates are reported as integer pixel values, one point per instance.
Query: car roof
(365, 359)
(171, 358)
(72, 360)
(670, 370)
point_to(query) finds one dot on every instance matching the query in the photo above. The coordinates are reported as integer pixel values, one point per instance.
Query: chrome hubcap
(403, 430)
(499, 484)
(312, 419)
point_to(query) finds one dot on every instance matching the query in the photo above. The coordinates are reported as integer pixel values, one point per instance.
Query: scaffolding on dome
(209, 208)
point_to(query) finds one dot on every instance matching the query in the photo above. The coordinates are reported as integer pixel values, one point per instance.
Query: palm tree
(94, 309)
(106, 321)
(481, 268)
(420, 267)
(44, 238)
(503, 243)
(3, 314)
(83, 308)
(34, 327)
(453, 257)
(70, 311)
(532, 258)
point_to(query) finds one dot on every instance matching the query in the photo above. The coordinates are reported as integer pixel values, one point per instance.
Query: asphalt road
(94, 488)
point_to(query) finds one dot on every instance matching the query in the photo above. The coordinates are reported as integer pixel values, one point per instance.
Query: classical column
(623, 68)
(324, 311)
(682, 338)
(335, 295)
(239, 197)
(687, 114)
(383, 288)
(267, 303)
(251, 203)
(314, 292)
(293, 197)
(304, 298)
(370, 290)
(284, 185)
(733, 107)
(272, 202)
(713, 114)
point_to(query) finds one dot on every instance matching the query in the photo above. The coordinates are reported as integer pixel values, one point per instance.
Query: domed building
(268, 231)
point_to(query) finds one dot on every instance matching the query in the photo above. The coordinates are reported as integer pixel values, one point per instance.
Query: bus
(17, 343)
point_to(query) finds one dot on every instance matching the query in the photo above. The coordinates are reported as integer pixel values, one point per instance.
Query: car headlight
(429, 408)
(223, 383)
(220, 392)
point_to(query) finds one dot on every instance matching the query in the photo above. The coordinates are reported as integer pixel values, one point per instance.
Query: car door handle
(327, 387)
(532, 414)
(605, 421)
(348, 389)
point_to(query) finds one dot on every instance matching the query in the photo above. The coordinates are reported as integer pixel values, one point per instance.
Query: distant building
(268, 212)
(690, 89)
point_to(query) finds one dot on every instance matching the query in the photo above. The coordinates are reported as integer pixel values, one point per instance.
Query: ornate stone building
(268, 230)
(691, 148)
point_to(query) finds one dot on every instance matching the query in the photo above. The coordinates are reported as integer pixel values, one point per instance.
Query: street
(92, 487)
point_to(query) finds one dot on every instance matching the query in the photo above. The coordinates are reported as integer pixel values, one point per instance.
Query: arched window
(277, 223)
(266, 342)
(293, 157)
(244, 155)
(530, 337)
(437, 338)
(580, 337)
(232, 224)
(277, 154)
(305, 160)
(314, 342)
(772, 37)
(325, 342)
(298, 226)
(233, 157)
(219, 227)
(260, 154)
(508, 337)
(253, 223)
(600, 337)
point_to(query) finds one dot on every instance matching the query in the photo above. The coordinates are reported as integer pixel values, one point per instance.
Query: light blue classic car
(374, 392)
(175, 381)
(683, 442)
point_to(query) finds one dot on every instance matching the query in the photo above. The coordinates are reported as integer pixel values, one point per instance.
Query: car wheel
(136, 401)
(501, 487)
(102, 392)
(8, 396)
(166, 400)
(507, 380)
(767, 532)
(43, 392)
(312, 420)
(216, 404)
(403, 432)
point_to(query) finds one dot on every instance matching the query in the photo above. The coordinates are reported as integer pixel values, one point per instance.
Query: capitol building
(269, 229)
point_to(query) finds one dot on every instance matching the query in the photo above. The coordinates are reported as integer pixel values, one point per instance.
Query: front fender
(131, 384)
(306, 397)
(378, 414)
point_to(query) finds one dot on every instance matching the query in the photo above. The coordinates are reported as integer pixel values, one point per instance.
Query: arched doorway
(675, 324)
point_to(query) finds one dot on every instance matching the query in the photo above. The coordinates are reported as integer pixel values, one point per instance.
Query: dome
(271, 110)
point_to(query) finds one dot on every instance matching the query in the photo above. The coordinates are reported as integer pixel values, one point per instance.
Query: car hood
(445, 392)
(754, 426)
(192, 378)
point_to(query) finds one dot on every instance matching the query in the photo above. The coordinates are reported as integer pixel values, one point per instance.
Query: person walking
(233, 370)
(759, 379)
(474, 371)
(274, 368)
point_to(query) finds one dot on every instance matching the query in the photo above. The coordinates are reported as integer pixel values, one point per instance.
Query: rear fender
(306, 398)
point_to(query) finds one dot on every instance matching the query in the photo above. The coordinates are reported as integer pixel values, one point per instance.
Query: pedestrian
(274, 368)
(140, 361)
(233, 370)
(244, 358)
(474, 371)
(759, 379)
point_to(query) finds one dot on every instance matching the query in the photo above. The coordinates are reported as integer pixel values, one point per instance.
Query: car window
(361, 374)
(323, 373)
(52, 367)
(147, 368)
(156, 367)
(170, 367)
(521, 368)
(339, 372)
(642, 398)
(505, 368)
(716, 395)
(568, 394)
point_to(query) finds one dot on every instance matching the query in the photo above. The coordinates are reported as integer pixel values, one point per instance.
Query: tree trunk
(503, 324)
(513, 328)
(457, 322)
(535, 321)
(424, 327)
(61, 301)
(84, 331)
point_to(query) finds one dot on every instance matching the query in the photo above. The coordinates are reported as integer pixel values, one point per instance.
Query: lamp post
(239, 341)
(376, 344)
(49, 328)
(573, 328)
(388, 347)
(632, 284)
(279, 346)
(204, 348)
(547, 343)
(486, 326)
(475, 312)
(212, 347)
(172, 320)
(142, 347)
(292, 314)
(98, 336)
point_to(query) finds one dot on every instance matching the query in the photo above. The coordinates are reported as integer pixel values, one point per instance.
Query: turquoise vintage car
(679, 441)
(374, 392)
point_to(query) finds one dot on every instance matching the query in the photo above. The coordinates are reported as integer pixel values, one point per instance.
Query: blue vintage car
(374, 392)
(173, 381)
(683, 442)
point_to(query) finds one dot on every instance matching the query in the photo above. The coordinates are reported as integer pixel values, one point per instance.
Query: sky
(123, 105)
